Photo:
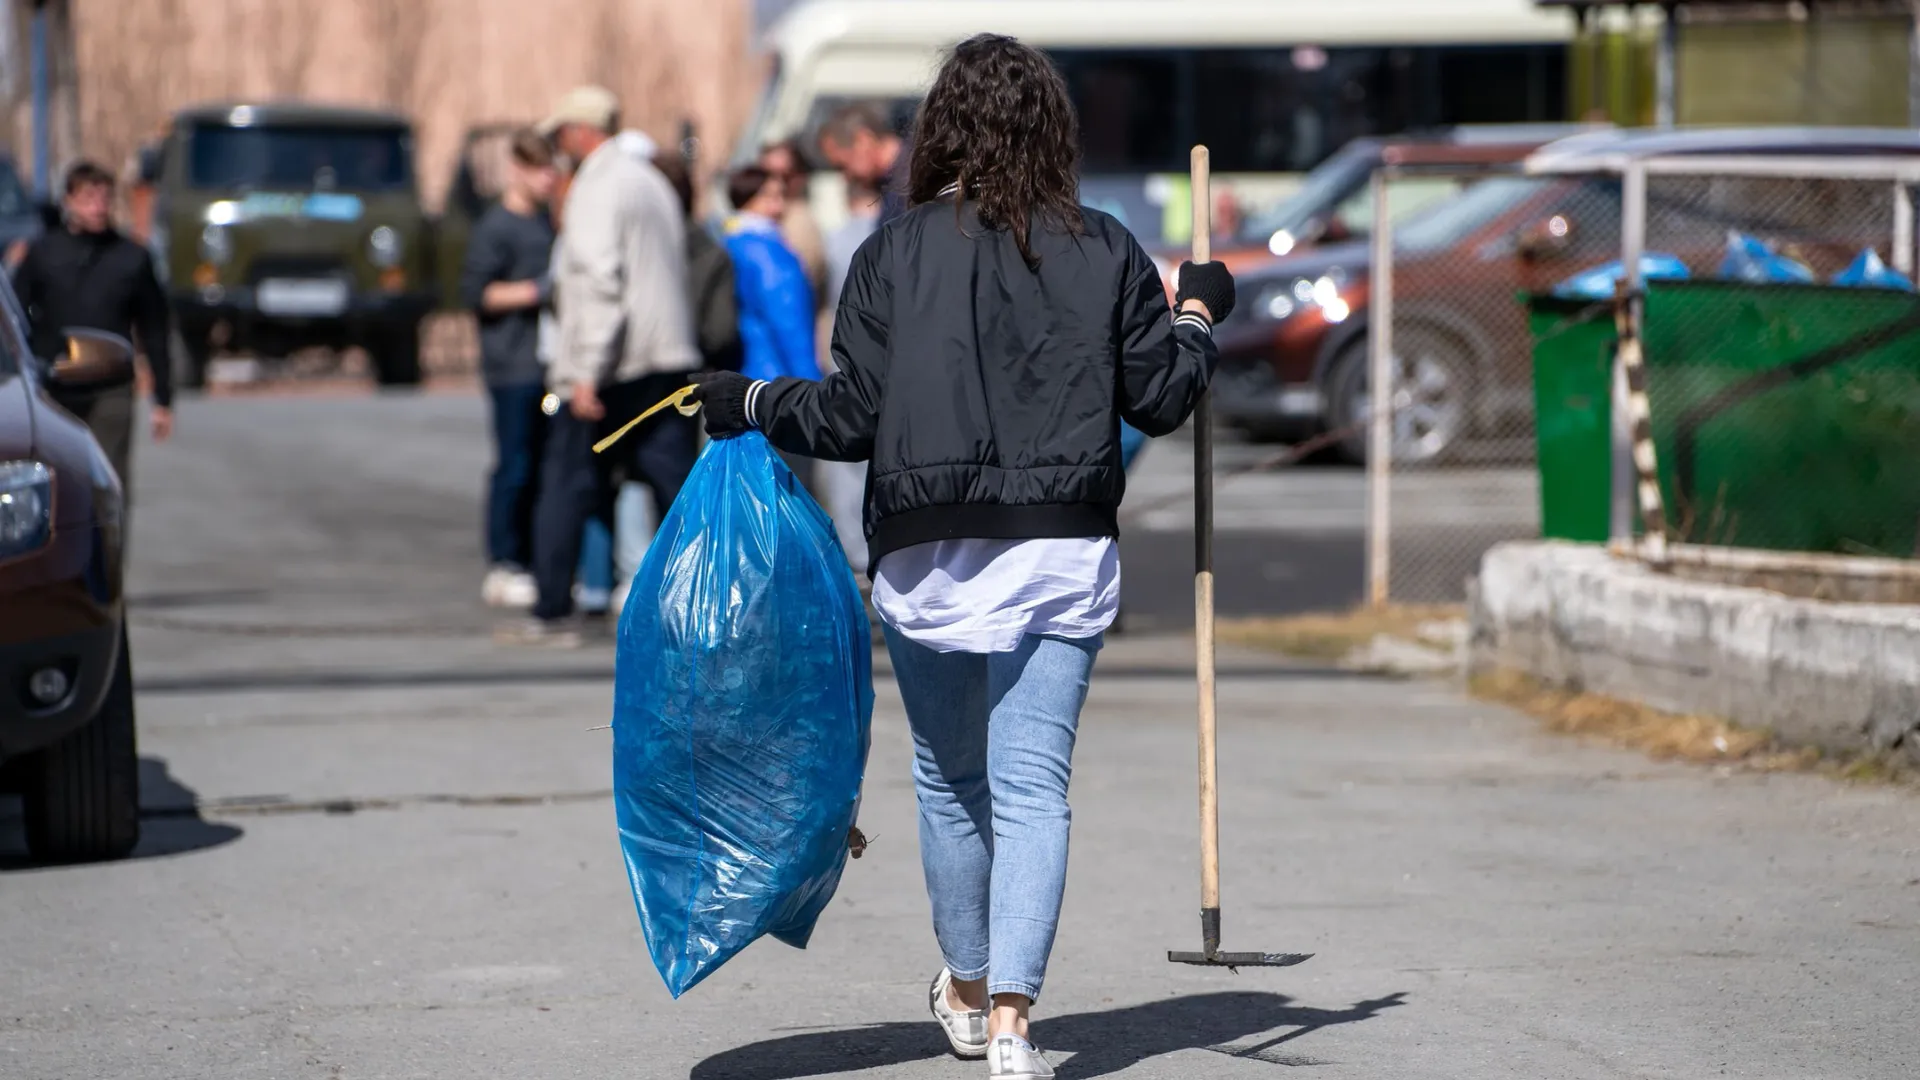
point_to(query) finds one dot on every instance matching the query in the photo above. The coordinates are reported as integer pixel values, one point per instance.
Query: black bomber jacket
(988, 395)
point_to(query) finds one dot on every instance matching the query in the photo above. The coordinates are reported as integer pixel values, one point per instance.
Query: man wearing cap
(625, 341)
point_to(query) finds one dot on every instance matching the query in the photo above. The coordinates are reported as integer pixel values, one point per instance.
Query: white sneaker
(620, 598)
(521, 591)
(493, 587)
(509, 587)
(966, 1031)
(1014, 1058)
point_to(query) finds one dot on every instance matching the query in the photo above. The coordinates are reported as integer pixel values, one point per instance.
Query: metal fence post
(1633, 242)
(1903, 227)
(1380, 396)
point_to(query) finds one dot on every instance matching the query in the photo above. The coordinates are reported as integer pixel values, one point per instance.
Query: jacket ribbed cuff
(752, 407)
(1193, 318)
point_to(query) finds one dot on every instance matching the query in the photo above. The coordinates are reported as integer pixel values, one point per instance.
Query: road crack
(272, 805)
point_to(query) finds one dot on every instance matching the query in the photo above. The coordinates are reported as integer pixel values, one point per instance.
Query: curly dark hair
(998, 123)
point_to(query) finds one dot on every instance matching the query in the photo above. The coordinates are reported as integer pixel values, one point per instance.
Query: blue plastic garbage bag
(1601, 282)
(743, 691)
(1750, 259)
(1869, 271)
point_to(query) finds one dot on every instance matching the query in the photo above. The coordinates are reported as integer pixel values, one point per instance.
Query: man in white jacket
(625, 341)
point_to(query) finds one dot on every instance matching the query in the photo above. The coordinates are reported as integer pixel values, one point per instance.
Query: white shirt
(983, 596)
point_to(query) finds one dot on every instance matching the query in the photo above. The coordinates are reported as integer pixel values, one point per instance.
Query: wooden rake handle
(1203, 594)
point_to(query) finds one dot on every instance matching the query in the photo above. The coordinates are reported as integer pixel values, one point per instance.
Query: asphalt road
(394, 856)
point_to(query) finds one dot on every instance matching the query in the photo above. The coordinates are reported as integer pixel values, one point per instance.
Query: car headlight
(216, 245)
(26, 507)
(384, 247)
(1276, 302)
(1282, 300)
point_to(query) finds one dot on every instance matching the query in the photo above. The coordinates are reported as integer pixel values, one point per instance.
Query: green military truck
(285, 226)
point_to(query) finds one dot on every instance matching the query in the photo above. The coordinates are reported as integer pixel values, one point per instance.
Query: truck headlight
(26, 507)
(384, 247)
(216, 245)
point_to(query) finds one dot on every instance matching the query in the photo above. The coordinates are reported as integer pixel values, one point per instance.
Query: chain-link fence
(1767, 391)
(1451, 470)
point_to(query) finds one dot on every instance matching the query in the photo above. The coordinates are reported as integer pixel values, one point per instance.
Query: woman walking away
(990, 341)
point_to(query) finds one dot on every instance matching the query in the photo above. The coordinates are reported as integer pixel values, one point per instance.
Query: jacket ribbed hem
(986, 521)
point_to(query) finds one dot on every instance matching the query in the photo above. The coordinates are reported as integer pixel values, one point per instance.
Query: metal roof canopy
(1666, 74)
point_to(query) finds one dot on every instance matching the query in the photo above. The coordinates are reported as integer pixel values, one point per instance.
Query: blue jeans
(519, 428)
(596, 563)
(993, 750)
(610, 556)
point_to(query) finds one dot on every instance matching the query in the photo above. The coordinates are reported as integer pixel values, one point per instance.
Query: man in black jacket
(88, 275)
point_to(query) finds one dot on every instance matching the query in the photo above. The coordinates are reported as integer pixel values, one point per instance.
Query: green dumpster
(1573, 346)
(1786, 416)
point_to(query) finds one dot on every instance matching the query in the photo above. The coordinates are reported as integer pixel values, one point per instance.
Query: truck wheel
(396, 356)
(82, 799)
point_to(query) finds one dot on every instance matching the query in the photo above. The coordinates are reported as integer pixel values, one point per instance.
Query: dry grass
(1334, 637)
(1666, 736)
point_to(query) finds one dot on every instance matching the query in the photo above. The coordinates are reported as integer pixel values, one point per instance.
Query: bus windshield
(322, 157)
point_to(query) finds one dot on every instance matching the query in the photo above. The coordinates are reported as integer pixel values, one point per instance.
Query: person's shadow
(1245, 1024)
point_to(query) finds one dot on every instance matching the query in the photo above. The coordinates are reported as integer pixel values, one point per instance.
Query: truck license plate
(295, 296)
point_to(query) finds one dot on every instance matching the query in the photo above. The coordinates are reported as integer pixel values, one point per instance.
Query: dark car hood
(16, 416)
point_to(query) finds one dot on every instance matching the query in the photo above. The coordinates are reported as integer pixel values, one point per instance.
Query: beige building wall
(448, 63)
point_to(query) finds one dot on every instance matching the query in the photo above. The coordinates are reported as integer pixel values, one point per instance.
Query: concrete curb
(1840, 676)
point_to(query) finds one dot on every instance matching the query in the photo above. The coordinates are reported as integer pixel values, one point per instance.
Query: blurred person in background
(710, 276)
(859, 140)
(88, 275)
(716, 322)
(770, 283)
(625, 342)
(609, 534)
(786, 164)
(842, 485)
(505, 282)
(776, 302)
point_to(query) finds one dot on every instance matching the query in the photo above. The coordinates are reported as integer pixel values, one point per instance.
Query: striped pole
(1629, 317)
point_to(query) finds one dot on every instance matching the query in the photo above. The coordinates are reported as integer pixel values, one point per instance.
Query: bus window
(1130, 106)
(1286, 109)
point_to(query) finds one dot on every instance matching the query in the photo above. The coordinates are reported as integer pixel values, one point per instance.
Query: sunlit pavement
(391, 854)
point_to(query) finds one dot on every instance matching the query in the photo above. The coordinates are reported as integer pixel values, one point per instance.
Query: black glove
(1209, 283)
(723, 401)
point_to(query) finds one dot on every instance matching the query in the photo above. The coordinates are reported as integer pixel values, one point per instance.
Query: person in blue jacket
(776, 300)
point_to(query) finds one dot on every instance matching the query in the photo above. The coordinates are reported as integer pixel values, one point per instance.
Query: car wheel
(82, 799)
(396, 356)
(1431, 390)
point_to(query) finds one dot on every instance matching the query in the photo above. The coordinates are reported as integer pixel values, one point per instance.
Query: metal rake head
(1238, 960)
